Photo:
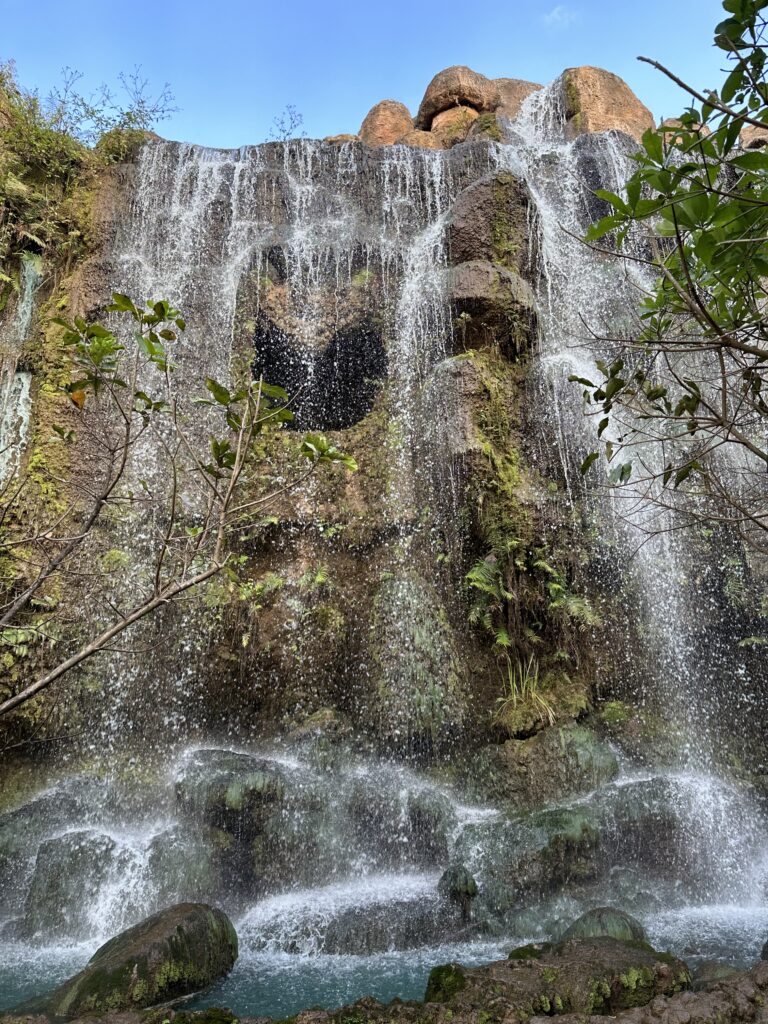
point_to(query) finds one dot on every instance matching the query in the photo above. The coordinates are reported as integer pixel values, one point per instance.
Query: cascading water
(15, 400)
(326, 269)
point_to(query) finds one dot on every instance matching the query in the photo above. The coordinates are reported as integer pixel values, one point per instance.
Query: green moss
(533, 951)
(614, 712)
(444, 983)
(488, 125)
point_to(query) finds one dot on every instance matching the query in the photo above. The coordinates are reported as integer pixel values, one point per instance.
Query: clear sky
(234, 65)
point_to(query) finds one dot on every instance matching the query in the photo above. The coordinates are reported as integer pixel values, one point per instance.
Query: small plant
(521, 686)
(287, 125)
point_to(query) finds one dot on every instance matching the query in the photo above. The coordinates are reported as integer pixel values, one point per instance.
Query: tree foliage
(683, 404)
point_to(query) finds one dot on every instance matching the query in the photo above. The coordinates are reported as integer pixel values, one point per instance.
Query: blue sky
(234, 65)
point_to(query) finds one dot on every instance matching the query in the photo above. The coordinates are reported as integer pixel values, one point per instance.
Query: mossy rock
(179, 951)
(608, 922)
(444, 983)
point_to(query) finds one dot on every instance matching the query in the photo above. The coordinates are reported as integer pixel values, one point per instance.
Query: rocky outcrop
(489, 221)
(595, 100)
(171, 954)
(453, 87)
(512, 92)
(752, 137)
(495, 306)
(339, 140)
(453, 125)
(385, 124)
(421, 140)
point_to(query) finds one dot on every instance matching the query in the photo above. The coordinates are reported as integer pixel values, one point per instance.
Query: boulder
(489, 221)
(607, 922)
(711, 972)
(456, 86)
(421, 140)
(595, 100)
(457, 886)
(486, 128)
(752, 137)
(554, 765)
(339, 140)
(588, 976)
(495, 307)
(453, 125)
(385, 123)
(512, 92)
(174, 953)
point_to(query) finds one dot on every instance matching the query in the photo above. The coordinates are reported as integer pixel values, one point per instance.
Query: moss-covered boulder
(606, 922)
(179, 951)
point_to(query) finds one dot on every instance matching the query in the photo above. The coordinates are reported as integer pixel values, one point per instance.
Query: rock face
(512, 92)
(385, 124)
(752, 137)
(489, 221)
(171, 954)
(606, 922)
(496, 305)
(595, 100)
(421, 140)
(456, 86)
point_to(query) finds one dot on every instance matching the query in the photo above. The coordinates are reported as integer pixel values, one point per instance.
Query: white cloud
(559, 17)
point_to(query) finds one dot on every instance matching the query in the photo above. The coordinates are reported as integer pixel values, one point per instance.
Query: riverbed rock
(710, 973)
(512, 92)
(452, 126)
(495, 306)
(606, 922)
(171, 954)
(385, 123)
(595, 100)
(590, 976)
(490, 221)
(456, 86)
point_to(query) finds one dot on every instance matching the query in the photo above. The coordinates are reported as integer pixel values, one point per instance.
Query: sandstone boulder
(452, 126)
(456, 86)
(489, 221)
(171, 954)
(595, 100)
(339, 140)
(495, 306)
(421, 140)
(752, 137)
(486, 127)
(385, 123)
(512, 92)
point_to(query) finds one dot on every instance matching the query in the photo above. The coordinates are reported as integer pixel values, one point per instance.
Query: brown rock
(385, 123)
(752, 137)
(487, 128)
(456, 86)
(595, 100)
(675, 122)
(512, 92)
(452, 126)
(495, 307)
(339, 140)
(489, 221)
(421, 140)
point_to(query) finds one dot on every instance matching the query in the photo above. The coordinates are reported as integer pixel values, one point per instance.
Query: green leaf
(590, 459)
(219, 392)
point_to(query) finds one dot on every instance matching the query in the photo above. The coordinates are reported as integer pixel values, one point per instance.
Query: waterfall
(15, 384)
(325, 268)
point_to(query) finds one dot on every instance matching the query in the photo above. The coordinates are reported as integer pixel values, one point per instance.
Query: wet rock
(595, 100)
(489, 221)
(456, 86)
(607, 922)
(385, 124)
(171, 954)
(228, 790)
(553, 765)
(589, 976)
(55, 906)
(453, 125)
(495, 307)
(486, 128)
(458, 886)
(512, 92)
(421, 140)
(326, 726)
(184, 865)
(392, 925)
(710, 973)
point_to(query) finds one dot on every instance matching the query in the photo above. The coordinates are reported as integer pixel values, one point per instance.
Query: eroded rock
(385, 123)
(489, 221)
(495, 306)
(453, 125)
(595, 100)
(512, 92)
(456, 86)
(421, 140)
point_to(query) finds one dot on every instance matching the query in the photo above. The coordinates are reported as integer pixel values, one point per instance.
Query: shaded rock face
(493, 303)
(490, 221)
(456, 86)
(595, 100)
(171, 954)
(385, 124)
